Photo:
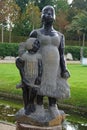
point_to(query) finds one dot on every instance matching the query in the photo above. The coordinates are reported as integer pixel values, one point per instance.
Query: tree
(22, 4)
(33, 15)
(79, 24)
(43, 3)
(2, 18)
(61, 21)
(29, 20)
(80, 4)
(61, 8)
(61, 5)
(2, 13)
(40, 3)
(9, 14)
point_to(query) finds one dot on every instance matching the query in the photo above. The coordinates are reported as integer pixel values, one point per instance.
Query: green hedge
(76, 51)
(8, 49)
(11, 49)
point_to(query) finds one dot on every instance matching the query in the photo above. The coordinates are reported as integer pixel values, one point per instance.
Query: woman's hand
(65, 74)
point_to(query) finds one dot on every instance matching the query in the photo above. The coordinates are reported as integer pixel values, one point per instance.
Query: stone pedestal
(31, 127)
(39, 121)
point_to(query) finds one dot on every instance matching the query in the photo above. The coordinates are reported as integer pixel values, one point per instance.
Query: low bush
(8, 49)
(76, 51)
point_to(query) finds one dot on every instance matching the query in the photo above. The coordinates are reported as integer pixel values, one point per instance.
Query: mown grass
(78, 85)
(9, 77)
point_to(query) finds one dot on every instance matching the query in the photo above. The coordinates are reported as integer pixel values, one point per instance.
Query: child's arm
(40, 71)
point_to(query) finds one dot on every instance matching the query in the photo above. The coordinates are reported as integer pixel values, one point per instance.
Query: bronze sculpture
(30, 66)
(53, 73)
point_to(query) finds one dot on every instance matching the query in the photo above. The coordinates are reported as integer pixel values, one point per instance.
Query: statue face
(48, 14)
(35, 47)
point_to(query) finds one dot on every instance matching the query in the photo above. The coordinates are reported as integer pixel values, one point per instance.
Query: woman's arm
(64, 71)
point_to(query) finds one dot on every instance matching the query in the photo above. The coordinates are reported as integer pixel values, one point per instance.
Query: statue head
(48, 14)
(32, 45)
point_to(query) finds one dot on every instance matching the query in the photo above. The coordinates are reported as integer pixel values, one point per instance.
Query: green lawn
(9, 77)
(78, 85)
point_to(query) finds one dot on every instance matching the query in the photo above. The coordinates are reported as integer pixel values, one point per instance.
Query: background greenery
(25, 15)
(8, 49)
(11, 49)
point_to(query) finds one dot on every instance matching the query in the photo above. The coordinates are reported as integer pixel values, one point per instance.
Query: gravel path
(6, 126)
(13, 61)
(7, 61)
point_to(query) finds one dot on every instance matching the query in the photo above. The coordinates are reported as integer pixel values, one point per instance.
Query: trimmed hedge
(76, 51)
(8, 49)
(11, 49)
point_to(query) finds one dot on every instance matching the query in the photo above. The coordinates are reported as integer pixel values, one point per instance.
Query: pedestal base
(31, 127)
(38, 119)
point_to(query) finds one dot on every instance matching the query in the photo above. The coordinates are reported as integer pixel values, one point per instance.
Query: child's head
(32, 45)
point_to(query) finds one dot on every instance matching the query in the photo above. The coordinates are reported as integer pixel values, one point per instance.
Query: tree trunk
(9, 36)
(10, 30)
(2, 33)
(82, 48)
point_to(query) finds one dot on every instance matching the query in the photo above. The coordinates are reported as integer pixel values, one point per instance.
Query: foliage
(40, 3)
(9, 11)
(8, 49)
(15, 38)
(71, 13)
(79, 22)
(61, 21)
(74, 50)
(80, 4)
(29, 20)
(8, 15)
(33, 15)
(61, 5)
(61, 15)
(79, 25)
(2, 13)
(22, 4)
(20, 14)
(43, 3)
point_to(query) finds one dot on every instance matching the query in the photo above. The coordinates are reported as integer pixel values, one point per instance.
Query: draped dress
(52, 84)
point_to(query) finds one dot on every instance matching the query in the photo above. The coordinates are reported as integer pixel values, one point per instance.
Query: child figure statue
(30, 66)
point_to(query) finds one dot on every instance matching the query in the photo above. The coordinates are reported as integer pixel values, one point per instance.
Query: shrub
(8, 49)
(76, 51)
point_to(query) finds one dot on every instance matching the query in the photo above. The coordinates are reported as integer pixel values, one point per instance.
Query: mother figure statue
(55, 74)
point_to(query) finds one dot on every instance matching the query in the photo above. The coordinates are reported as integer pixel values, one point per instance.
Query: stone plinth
(40, 119)
(31, 127)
